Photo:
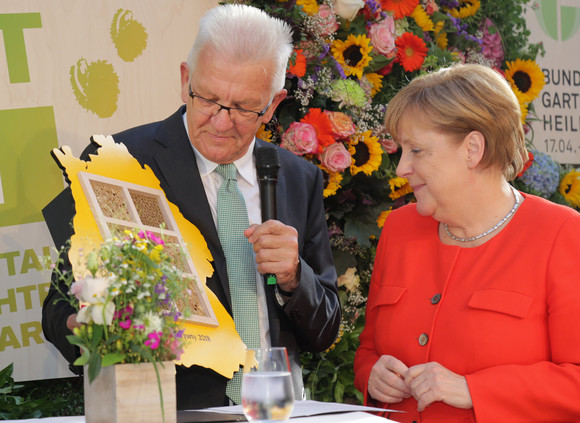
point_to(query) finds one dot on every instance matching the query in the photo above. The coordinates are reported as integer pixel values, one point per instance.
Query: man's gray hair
(245, 34)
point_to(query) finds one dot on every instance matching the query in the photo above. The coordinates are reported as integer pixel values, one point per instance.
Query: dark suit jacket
(309, 321)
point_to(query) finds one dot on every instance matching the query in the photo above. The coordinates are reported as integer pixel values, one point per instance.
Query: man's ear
(475, 148)
(184, 70)
(278, 97)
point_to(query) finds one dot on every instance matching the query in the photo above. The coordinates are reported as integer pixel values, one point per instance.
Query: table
(307, 411)
(351, 417)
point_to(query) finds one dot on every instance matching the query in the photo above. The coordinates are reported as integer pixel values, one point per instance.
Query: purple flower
(543, 175)
(125, 324)
(154, 339)
(451, 4)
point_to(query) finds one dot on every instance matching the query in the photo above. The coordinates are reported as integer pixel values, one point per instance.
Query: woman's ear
(475, 146)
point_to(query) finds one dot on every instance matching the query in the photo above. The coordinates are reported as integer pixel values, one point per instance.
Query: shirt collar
(245, 164)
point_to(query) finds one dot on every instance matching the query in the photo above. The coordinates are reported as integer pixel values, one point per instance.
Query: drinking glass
(267, 391)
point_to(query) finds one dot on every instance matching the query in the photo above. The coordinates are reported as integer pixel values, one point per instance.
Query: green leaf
(94, 366)
(6, 375)
(363, 225)
(84, 358)
(75, 340)
(112, 358)
(379, 61)
(98, 331)
(343, 260)
(338, 392)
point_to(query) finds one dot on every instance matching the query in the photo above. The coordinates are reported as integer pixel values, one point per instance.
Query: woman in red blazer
(474, 305)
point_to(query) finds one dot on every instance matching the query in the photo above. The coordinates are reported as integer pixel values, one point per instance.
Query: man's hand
(276, 249)
(71, 322)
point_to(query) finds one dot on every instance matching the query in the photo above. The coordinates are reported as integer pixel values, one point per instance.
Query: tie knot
(227, 171)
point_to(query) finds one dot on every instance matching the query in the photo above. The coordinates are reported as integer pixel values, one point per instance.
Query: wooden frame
(118, 205)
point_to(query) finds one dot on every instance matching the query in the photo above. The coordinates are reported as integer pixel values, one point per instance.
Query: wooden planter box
(129, 393)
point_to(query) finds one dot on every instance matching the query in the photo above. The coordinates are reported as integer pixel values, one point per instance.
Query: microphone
(267, 166)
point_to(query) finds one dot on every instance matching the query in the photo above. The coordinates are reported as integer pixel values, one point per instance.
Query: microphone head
(267, 162)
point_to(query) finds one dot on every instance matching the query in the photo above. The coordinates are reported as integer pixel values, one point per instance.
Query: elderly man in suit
(231, 84)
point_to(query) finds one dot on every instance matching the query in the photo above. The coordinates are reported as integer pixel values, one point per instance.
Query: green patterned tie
(232, 221)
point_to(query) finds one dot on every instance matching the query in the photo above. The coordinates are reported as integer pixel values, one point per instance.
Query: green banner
(29, 178)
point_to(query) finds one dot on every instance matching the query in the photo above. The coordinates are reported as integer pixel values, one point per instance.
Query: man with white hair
(231, 84)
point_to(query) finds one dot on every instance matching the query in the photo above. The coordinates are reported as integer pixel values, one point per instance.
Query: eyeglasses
(236, 114)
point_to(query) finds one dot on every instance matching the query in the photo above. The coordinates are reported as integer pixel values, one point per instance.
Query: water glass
(267, 391)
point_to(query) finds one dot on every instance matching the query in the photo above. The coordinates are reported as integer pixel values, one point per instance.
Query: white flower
(151, 321)
(100, 314)
(348, 9)
(350, 279)
(92, 294)
(93, 290)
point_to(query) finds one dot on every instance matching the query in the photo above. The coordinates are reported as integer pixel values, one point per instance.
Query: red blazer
(505, 314)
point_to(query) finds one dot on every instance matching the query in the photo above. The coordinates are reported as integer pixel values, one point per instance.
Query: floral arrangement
(127, 307)
(350, 58)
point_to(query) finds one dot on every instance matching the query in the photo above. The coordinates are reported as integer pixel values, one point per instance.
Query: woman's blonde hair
(465, 98)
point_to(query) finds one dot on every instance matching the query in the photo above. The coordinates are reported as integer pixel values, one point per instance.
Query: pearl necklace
(501, 222)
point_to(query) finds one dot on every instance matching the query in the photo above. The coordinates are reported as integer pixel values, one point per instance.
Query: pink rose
(328, 23)
(431, 7)
(389, 145)
(336, 158)
(382, 36)
(342, 126)
(300, 138)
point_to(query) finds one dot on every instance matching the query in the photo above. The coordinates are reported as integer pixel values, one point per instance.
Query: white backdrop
(70, 69)
(556, 23)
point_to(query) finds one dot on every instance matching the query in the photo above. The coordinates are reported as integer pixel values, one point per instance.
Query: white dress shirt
(247, 179)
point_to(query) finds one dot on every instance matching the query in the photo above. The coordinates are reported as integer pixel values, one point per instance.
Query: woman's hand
(432, 382)
(386, 381)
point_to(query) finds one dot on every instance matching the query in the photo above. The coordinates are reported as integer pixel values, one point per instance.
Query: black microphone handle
(268, 199)
(268, 205)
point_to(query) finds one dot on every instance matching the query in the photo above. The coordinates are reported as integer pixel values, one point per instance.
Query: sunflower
(264, 134)
(332, 182)
(310, 7)
(353, 54)
(376, 81)
(440, 35)
(465, 9)
(297, 63)
(524, 110)
(570, 188)
(400, 8)
(399, 187)
(411, 51)
(383, 216)
(422, 19)
(526, 79)
(366, 153)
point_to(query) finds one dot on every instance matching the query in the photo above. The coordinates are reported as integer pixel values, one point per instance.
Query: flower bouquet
(350, 58)
(127, 308)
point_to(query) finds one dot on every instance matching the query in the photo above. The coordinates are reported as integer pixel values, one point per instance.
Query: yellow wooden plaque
(112, 192)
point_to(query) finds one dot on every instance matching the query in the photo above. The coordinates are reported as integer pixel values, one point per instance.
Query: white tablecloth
(354, 417)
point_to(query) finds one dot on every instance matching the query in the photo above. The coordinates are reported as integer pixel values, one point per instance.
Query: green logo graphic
(12, 25)
(128, 35)
(547, 15)
(29, 178)
(96, 84)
